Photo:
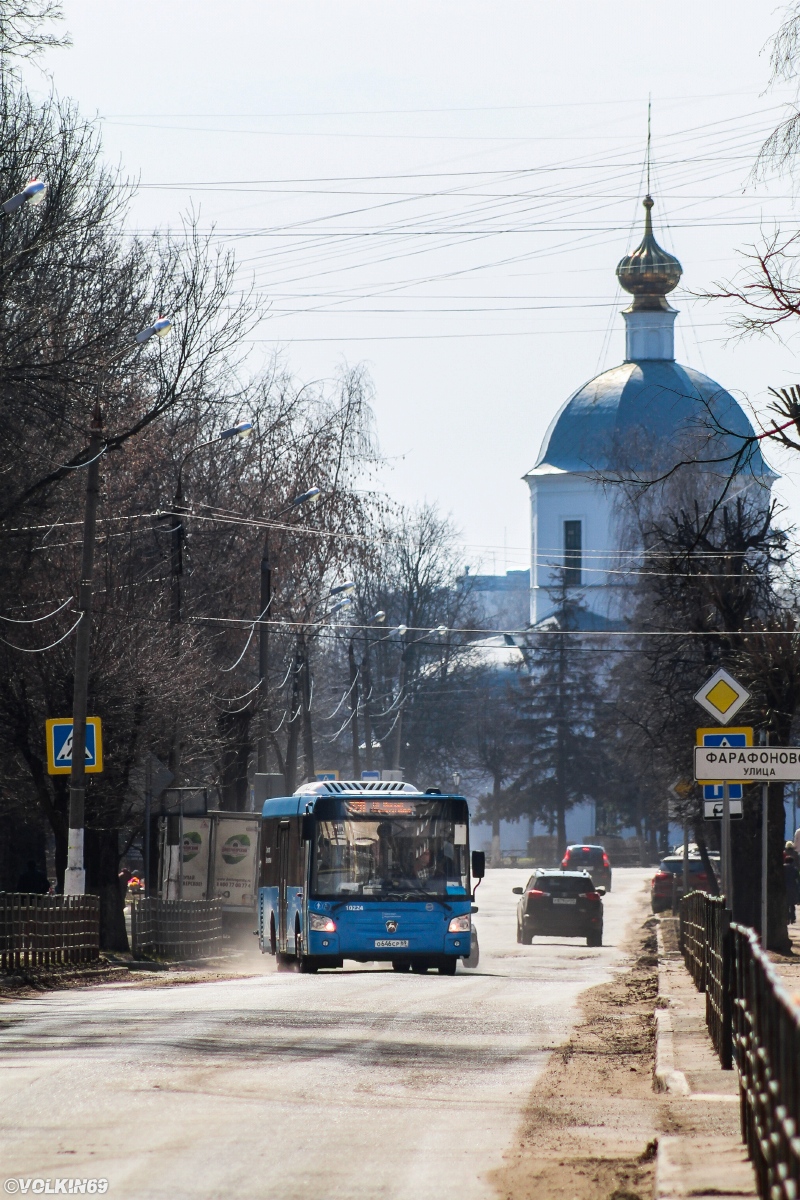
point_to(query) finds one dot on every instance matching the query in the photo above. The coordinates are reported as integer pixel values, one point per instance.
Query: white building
(636, 417)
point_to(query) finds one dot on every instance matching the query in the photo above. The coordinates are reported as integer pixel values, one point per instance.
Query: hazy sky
(442, 191)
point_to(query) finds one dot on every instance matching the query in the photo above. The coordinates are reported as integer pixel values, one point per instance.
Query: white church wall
(560, 497)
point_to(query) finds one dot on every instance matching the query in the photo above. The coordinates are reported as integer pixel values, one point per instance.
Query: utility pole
(351, 657)
(401, 702)
(75, 874)
(263, 655)
(176, 554)
(305, 694)
(175, 611)
(367, 694)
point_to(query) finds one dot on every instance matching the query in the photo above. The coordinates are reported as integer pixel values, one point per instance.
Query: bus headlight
(321, 923)
(459, 924)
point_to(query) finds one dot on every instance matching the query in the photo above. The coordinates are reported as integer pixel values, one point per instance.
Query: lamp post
(404, 658)
(75, 874)
(305, 658)
(174, 873)
(262, 744)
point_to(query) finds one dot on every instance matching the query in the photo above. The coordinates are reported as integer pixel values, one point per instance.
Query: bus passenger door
(283, 881)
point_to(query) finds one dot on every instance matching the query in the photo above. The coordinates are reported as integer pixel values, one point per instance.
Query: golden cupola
(649, 274)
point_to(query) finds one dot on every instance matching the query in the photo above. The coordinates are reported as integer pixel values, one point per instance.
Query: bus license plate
(390, 944)
(559, 900)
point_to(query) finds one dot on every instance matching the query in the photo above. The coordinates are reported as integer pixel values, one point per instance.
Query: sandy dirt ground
(590, 1128)
(359, 1084)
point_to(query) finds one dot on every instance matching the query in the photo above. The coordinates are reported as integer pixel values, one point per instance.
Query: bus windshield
(390, 856)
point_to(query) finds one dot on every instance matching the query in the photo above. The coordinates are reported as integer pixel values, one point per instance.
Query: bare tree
(720, 593)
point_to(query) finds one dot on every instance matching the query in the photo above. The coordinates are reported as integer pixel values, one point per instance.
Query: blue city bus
(373, 871)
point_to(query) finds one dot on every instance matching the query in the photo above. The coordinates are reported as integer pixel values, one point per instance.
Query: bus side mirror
(308, 828)
(478, 864)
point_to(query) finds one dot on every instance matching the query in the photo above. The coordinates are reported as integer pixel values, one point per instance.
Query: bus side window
(269, 853)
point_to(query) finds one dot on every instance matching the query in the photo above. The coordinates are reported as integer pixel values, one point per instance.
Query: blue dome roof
(639, 413)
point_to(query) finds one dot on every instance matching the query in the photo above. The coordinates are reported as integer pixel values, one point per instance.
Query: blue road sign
(370, 774)
(713, 791)
(724, 737)
(59, 746)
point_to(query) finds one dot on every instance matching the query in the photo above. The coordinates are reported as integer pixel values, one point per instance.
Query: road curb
(665, 1077)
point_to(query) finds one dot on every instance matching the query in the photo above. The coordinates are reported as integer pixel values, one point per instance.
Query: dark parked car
(586, 857)
(671, 868)
(560, 904)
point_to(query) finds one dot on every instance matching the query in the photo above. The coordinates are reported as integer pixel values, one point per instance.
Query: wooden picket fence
(47, 931)
(177, 929)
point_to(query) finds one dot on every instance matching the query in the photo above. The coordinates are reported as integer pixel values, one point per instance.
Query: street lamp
(33, 193)
(342, 604)
(404, 657)
(159, 328)
(75, 873)
(311, 496)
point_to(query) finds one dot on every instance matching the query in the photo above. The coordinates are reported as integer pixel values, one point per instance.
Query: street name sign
(748, 764)
(59, 745)
(722, 696)
(741, 735)
(713, 810)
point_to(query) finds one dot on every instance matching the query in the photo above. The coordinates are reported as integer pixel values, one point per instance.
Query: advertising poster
(194, 857)
(235, 849)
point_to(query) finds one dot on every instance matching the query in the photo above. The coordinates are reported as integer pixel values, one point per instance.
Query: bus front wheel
(304, 965)
(448, 967)
(401, 966)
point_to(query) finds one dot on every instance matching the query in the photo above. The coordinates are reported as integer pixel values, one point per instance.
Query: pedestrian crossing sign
(726, 736)
(59, 746)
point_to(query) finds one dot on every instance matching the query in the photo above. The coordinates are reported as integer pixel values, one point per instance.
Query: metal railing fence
(176, 929)
(705, 944)
(48, 931)
(754, 1023)
(766, 1040)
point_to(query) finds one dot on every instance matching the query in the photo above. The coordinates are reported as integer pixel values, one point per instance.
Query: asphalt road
(348, 1085)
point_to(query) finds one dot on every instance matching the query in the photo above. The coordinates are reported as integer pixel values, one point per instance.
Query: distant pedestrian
(791, 882)
(33, 881)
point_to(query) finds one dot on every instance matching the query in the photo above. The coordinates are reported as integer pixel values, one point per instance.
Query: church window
(573, 545)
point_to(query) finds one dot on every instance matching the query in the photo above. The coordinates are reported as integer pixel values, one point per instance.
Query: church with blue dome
(633, 422)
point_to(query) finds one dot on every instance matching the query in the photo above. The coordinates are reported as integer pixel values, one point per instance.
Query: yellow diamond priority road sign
(722, 696)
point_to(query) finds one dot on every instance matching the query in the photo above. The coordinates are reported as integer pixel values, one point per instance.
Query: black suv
(587, 857)
(560, 904)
